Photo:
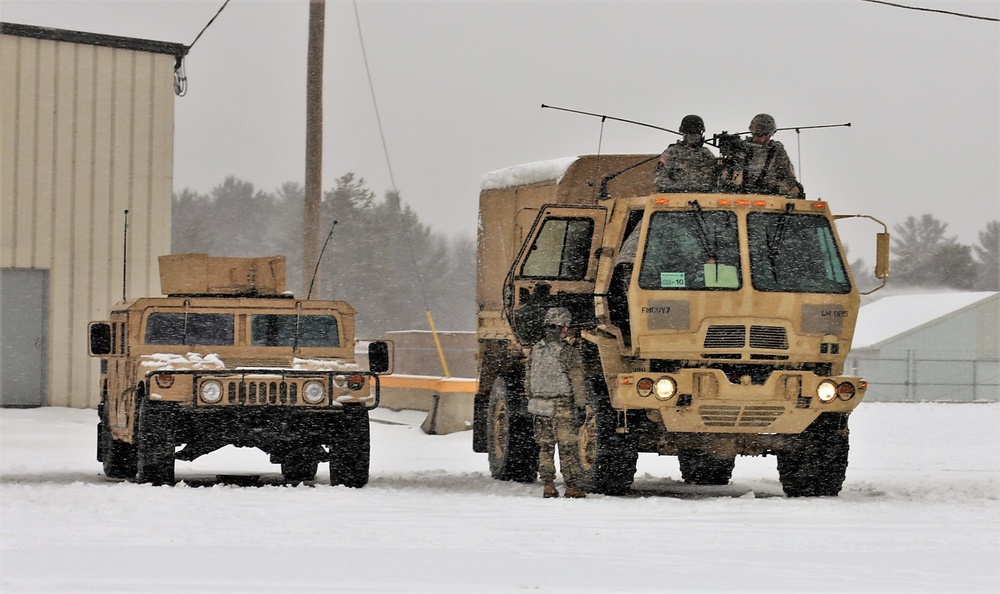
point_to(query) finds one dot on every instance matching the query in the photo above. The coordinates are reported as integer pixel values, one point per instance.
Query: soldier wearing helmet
(687, 165)
(557, 399)
(760, 165)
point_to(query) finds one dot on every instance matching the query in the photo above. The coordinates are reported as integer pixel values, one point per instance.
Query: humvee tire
(350, 450)
(701, 468)
(510, 439)
(817, 464)
(299, 465)
(118, 457)
(607, 458)
(155, 436)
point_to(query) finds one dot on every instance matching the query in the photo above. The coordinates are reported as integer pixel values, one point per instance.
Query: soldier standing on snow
(557, 399)
(759, 165)
(687, 165)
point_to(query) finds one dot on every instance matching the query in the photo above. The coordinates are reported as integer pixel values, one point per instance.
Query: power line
(958, 14)
(209, 24)
(180, 73)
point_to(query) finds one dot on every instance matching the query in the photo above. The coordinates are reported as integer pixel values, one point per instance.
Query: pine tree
(988, 258)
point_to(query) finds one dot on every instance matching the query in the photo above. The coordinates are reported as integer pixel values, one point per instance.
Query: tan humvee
(228, 358)
(712, 325)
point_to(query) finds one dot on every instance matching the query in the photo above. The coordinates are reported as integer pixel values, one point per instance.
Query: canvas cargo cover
(201, 274)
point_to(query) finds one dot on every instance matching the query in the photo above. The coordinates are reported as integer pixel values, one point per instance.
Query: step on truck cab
(711, 325)
(227, 357)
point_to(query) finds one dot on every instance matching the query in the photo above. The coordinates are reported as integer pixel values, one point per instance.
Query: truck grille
(262, 392)
(735, 337)
(720, 415)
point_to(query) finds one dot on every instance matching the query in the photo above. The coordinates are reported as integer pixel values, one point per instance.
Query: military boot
(574, 492)
(549, 490)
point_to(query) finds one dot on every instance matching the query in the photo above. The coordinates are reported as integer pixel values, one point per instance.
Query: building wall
(955, 358)
(86, 132)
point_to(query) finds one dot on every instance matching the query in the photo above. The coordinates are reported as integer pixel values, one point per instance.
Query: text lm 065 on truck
(228, 358)
(710, 325)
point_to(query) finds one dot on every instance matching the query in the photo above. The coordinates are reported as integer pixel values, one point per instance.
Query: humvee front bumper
(706, 401)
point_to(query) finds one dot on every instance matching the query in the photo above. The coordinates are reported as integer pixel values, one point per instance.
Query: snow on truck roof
(528, 173)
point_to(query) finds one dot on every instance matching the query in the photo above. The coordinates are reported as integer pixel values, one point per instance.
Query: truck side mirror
(881, 255)
(100, 339)
(378, 356)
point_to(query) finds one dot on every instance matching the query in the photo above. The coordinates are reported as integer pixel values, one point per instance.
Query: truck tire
(701, 468)
(607, 458)
(350, 449)
(299, 465)
(155, 435)
(816, 463)
(118, 457)
(510, 438)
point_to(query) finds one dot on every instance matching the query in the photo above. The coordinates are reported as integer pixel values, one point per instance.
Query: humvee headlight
(313, 392)
(644, 387)
(355, 382)
(665, 388)
(845, 391)
(211, 391)
(827, 390)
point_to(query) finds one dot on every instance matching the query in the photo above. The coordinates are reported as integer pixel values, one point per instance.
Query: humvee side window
(691, 250)
(561, 250)
(279, 330)
(193, 328)
(795, 253)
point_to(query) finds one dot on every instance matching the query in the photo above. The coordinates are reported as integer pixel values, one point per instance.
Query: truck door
(556, 267)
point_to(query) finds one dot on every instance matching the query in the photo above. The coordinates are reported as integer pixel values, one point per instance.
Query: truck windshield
(209, 329)
(279, 330)
(795, 253)
(691, 250)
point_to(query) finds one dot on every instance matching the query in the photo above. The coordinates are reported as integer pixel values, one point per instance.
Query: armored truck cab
(228, 358)
(711, 325)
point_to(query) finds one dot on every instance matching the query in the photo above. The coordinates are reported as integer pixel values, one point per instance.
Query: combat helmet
(692, 124)
(557, 316)
(763, 123)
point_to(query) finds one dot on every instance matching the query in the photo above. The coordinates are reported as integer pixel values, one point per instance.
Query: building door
(24, 301)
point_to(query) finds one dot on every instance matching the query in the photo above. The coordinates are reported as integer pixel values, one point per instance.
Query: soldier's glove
(581, 416)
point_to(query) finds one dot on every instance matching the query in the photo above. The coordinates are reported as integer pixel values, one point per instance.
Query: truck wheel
(155, 431)
(350, 449)
(816, 463)
(299, 465)
(700, 468)
(119, 458)
(607, 458)
(510, 438)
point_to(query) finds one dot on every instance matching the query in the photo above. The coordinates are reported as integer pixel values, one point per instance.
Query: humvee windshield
(279, 330)
(209, 329)
(794, 253)
(692, 251)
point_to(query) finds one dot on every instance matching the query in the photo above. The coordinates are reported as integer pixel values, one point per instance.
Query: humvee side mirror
(100, 339)
(378, 356)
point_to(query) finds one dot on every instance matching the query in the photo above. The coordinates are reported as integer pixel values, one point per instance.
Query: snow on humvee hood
(169, 361)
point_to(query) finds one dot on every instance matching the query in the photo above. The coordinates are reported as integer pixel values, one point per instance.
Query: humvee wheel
(118, 457)
(700, 468)
(299, 466)
(510, 439)
(816, 465)
(350, 449)
(607, 458)
(155, 435)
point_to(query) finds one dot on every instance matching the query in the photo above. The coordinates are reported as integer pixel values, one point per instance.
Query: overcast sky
(460, 84)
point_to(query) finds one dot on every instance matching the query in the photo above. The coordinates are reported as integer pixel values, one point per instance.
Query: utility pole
(314, 141)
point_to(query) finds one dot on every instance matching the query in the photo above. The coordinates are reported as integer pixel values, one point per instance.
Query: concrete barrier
(448, 401)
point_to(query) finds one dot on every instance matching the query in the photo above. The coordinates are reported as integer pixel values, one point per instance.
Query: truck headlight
(827, 390)
(313, 392)
(211, 391)
(665, 388)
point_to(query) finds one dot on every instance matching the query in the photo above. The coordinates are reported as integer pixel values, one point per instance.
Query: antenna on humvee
(125, 256)
(320, 259)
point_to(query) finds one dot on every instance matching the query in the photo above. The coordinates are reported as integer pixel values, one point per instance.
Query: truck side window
(561, 250)
(196, 329)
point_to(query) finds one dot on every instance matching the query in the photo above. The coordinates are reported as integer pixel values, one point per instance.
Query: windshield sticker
(672, 280)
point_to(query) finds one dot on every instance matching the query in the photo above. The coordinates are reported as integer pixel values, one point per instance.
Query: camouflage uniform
(686, 167)
(768, 170)
(555, 374)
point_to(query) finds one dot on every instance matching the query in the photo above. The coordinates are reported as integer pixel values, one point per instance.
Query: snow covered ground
(919, 512)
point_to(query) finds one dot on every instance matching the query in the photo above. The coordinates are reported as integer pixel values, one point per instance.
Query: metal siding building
(86, 132)
(943, 347)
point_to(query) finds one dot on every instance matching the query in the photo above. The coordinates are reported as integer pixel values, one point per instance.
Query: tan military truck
(711, 325)
(228, 358)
